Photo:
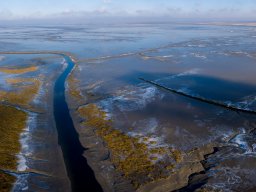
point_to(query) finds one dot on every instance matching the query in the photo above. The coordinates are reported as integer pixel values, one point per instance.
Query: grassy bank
(18, 70)
(137, 159)
(12, 123)
(25, 91)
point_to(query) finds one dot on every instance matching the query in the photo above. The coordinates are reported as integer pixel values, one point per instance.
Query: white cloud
(107, 1)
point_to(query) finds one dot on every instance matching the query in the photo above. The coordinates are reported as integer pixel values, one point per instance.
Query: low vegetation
(136, 158)
(72, 83)
(25, 92)
(19, 70)
(6, 182)
(12, 123)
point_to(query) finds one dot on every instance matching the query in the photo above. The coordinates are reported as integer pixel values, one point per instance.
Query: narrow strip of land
(202, 99)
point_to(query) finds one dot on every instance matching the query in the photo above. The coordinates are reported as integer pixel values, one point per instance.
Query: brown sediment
(19, 70)
(6, 182)
(12, 123)
(190, 164)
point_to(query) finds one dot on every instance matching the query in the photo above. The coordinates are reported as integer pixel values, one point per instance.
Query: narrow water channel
(81, 175)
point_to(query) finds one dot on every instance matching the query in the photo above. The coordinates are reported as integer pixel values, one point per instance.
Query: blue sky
(34, 9)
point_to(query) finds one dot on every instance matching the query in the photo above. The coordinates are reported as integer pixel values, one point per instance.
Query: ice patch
(64, 64)
(131, 99)
(225, 178)
(24, 140)
(247, 103)
(198, 55)
(245, 141)
(2, 58)
(189, 72)
(236, 53)
(22, 184)
(152, 142)
(254, 147)
(167, 56)
(40, 94)
(186, 73)
(241, 142)
(196, 45)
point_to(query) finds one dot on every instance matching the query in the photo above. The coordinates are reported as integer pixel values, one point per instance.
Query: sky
(87, 9)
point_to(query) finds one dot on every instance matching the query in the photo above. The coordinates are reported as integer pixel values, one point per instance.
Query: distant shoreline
(244, 24)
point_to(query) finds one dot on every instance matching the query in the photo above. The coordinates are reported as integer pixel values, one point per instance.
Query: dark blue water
(81, 175)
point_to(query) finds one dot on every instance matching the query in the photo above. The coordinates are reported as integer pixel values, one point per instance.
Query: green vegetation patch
(135, 159)
(12, 123)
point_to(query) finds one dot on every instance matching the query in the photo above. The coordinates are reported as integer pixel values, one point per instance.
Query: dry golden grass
(12, 123)
(176, 154)
(25, 92)
(73, 83)
(130, 156)
(19, 70)
(15, 81)
(6, 182)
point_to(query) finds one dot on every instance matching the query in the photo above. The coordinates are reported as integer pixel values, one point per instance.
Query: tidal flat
(130, 134)
(28, 162)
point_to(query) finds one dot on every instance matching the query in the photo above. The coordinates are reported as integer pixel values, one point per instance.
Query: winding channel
(80, 173)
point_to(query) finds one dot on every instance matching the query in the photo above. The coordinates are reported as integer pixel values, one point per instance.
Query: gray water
(214, 62)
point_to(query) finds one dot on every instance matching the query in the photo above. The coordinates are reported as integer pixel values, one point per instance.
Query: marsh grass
(12, 123)
(73, 90)
(19, 70)
(25, 93)
(134, 159)
(6, 182)
(18, 81)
